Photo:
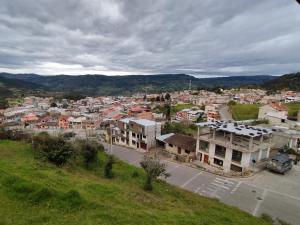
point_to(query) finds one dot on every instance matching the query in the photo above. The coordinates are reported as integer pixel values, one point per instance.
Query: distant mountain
(12, 87)
(288, 81)
(125, 85)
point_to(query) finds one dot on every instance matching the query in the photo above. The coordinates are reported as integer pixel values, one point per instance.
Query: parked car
(280, 163)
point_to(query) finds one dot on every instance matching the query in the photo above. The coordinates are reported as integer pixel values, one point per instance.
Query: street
(274, 194)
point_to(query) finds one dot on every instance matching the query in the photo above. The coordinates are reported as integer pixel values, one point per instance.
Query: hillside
(34, 192)
(126, 85)
(287, 81)
(13, 87)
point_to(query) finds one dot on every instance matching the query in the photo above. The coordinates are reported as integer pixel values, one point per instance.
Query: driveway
(276, 195)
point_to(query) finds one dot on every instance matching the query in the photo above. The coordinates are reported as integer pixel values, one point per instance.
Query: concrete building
(136, 133)
(232, 147)
(181, 146)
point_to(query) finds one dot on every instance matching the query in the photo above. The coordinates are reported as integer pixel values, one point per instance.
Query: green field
(244, 111)
(293, 108)
(179, 107)
(35, 192)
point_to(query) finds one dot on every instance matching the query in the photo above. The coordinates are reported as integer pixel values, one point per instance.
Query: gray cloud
(207, 37)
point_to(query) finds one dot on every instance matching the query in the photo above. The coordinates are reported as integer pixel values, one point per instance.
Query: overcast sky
(199, 37)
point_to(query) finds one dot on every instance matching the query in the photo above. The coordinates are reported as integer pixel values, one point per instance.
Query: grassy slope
(244, 111)
(33, 192)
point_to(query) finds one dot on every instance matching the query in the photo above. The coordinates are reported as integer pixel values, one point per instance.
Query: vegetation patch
(244, 111)
(76, 195)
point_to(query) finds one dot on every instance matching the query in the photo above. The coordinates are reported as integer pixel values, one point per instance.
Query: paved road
(224, 113)
(276, 195)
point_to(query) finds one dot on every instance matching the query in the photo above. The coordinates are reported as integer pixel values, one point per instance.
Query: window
(133, 134)
(218, 162)
(170, 145)
(144, 136)
(179, 150)
(220, 151)
(133, 142)
(236, 168)
(236, 156)
(187, 151)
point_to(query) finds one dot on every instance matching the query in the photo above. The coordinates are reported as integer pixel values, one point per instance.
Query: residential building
(181, 146)
(189, 114)
(232, 147)
(136, 133)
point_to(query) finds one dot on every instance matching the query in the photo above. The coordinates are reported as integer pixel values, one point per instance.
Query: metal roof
(239, 129)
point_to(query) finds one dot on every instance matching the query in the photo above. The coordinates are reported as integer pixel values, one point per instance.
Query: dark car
(280, 163)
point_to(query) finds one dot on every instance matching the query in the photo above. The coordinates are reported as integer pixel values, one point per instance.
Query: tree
(53, 104)
(145, 98)
(3, 103)
(108, 166)
(167, 112)
(153, 168)
(167, 97)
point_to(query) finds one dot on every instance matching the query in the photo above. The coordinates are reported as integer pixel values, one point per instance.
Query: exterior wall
(244, 164)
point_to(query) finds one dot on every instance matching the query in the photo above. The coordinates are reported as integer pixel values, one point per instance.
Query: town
(233, 134)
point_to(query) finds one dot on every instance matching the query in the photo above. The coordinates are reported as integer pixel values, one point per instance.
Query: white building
(232, 147)
(136, 133)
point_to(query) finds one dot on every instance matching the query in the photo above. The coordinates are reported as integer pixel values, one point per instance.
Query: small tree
(108, 166)
(89, 151)
(153, 168)
(167, 97)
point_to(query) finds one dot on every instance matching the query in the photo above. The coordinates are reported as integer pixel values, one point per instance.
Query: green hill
(14, 87)
(126, 85)
(287, 81)
(35, 192)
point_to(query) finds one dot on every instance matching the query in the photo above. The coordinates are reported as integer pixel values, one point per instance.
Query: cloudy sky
(207, 37)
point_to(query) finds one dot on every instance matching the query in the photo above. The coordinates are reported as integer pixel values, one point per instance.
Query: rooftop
(239, 129)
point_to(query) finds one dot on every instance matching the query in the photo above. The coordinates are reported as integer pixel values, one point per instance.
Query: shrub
(108, 166)
(54, 149)
(89, 151)
(135, 174)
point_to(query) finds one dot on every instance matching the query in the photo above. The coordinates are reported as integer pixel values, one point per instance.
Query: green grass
(244, 111)
(179, 107)
(293, 108)
(35, 192)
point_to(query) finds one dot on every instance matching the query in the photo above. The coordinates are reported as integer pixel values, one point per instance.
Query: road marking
(221, 186)
(236, 187)
(259, 202)
(225, 180)
(187, 182)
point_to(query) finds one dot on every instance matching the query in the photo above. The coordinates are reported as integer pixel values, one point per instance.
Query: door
(206, 158)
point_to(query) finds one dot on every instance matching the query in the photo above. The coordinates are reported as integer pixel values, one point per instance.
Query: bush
(135, 174)
(89, 151)
(108, 166)
(54, 149)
